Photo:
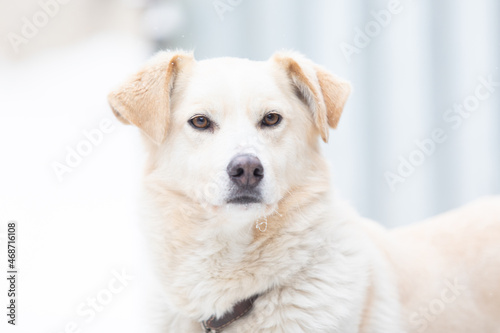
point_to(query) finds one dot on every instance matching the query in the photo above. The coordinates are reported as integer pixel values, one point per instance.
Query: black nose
(245, 170)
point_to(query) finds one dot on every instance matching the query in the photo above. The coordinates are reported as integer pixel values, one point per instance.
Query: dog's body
(239, 204)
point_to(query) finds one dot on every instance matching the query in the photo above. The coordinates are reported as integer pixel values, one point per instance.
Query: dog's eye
(271, 119)
(200, 122)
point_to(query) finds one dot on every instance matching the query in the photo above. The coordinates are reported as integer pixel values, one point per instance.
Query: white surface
(74, 233)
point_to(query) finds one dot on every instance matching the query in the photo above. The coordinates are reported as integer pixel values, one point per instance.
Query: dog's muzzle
(246, 172)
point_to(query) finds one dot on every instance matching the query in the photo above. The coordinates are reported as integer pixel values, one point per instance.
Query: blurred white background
(416, 67)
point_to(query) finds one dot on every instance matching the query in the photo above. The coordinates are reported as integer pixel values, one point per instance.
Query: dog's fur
(317, 265)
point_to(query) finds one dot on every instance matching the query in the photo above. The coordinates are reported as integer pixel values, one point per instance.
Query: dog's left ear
(144, 99)
(324, 93)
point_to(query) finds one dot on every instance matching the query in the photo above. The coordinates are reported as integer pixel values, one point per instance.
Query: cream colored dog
(238, 205)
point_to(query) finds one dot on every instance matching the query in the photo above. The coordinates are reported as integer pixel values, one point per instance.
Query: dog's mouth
(244, 200)
(245, 197)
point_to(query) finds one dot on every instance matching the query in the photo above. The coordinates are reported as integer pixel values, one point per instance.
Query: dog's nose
(245, 170)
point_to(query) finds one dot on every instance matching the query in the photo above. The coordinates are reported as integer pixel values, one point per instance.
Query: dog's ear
(144, 99)
(324, 93)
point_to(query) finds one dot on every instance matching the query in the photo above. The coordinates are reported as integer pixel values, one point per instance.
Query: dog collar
(215, 325)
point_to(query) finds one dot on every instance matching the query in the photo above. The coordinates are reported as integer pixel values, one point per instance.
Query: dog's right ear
(144, 100)
(324, 93)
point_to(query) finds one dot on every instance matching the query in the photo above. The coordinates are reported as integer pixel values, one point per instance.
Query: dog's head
(232, 133)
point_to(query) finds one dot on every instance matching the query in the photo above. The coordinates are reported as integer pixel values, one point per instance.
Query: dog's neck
(211, 261)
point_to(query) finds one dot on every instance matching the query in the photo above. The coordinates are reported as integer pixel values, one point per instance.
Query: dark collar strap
(213, 325)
